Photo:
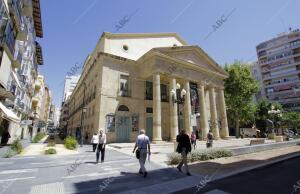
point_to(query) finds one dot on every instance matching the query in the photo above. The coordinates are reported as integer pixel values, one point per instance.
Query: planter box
(279, 139)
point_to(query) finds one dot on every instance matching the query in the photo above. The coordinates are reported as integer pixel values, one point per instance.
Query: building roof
(143, 35)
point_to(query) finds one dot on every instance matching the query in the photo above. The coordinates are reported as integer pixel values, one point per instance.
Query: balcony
(15, 10)
(17, 61)
(285, 74)
(39, 54)
(28, 8)
(9, 40)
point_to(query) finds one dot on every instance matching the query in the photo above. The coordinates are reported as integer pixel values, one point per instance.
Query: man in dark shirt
(184, 147)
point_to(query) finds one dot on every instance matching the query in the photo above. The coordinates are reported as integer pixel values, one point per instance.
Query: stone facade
(130, 82)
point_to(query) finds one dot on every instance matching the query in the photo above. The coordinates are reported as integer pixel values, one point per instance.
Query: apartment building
(279, 62)
(151, 81)
(20, 55)
(70, 84)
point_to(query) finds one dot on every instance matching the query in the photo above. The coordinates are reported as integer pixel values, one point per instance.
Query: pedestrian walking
(101, 146)
(193, 139)
(141, 144)
(210, 138)
(95, 141)
(184, 147)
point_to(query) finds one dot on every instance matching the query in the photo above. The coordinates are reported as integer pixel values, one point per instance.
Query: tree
(291, 119)
(240, 87)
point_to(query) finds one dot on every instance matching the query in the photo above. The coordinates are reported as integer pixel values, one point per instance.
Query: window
(123, 108)
(149, 110)
(163, 93)
(149, 90)
(124, 85)
(110, 123)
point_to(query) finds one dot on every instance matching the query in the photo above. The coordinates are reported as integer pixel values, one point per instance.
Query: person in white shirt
(142, 143)
(101, 146)
(95, 141)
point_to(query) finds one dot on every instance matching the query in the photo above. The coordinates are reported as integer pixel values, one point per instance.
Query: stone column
(224, 125)
(156, 108)
(202, 108)
(213, 112)
(173, 111)
(187, 108)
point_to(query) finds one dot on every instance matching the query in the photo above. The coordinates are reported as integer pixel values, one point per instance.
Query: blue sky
(72, 27)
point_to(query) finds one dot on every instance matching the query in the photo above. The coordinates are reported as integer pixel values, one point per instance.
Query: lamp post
(82, 113)
(178, 97)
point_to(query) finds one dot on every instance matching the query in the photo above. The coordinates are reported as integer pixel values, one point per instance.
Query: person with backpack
(101, 146)
(142, 143)
(193, 139)
(210, 138)
(184, 147)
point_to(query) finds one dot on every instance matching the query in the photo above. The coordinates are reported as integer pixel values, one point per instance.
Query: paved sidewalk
(160, 151)
(207, 171)
(25, 143)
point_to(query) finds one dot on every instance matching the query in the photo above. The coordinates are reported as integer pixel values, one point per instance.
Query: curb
(254, 167)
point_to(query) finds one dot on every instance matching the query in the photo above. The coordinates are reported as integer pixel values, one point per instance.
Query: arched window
(123, 108)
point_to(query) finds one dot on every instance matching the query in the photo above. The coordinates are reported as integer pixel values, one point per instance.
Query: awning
(9, 114)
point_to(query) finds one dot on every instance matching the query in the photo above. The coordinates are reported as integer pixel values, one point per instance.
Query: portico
(206, 104)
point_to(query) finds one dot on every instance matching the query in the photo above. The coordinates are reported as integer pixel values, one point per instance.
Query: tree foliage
(240, 87)
(261, 115)
(291, 119)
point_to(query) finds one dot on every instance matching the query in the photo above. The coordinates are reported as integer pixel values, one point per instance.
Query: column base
(155, 141)
(173, 140)
(226, 138)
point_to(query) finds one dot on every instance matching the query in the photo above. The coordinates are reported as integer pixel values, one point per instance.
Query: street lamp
(178, 97)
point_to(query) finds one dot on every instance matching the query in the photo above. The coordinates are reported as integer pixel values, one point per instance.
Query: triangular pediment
(194, 55)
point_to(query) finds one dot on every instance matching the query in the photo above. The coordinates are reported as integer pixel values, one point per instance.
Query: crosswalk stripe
(17, 171)
(16, 179)
(50, 188)
(91, 174)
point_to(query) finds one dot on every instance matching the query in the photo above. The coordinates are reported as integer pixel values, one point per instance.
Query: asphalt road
(279, 178)
(50, 174)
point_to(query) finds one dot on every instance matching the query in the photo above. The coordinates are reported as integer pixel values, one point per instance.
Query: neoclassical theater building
(151, 81)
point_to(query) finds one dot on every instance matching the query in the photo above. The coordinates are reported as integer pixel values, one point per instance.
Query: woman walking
(95, 141)
(101, 146)
(184, 147)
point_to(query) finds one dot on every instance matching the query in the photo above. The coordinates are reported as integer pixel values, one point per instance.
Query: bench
(257, 141)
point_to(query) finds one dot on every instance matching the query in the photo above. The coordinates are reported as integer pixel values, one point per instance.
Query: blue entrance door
(149, 127)
(123, 129)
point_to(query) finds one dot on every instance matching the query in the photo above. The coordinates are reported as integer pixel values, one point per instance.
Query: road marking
(16, 179)
(110, 169)
(57, 188)
(91, 174)
(43, 163)
(17, 171)
(130, 164)
(20, 158)
(216, 191)
(3, 163)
